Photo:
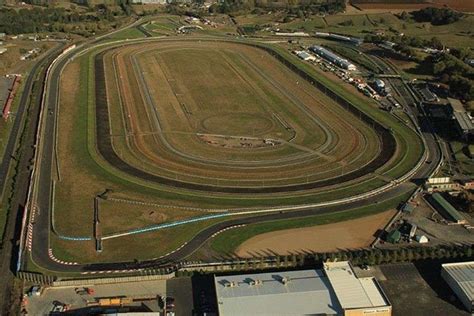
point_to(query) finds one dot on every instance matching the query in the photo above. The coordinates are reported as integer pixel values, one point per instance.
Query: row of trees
(47, 19)
(307, 7)
(356, 257)
(457, 74)
(437, 16)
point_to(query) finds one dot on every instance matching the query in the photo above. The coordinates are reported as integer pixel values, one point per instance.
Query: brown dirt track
(147, 145)
(357, 233)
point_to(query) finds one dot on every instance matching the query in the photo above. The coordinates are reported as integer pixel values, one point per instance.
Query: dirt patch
(237, 142)
(357, 233)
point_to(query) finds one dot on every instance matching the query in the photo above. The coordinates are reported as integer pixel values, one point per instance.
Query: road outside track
(13, 225)
(42, 227)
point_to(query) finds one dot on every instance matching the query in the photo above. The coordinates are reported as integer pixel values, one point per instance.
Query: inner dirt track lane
(42, 226)
(105, 148)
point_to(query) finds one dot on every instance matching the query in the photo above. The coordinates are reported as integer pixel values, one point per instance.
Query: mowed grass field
(84, 174)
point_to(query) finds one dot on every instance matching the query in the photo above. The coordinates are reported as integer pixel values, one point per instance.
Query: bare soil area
(237, 142)
(351, 234)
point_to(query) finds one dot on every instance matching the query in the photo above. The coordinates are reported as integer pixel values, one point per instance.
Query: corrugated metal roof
(456, 216)
(373, 292)
(463, 274)
(342, 62)
(456, 105)
(351, 291)
(307, 292)
(304, 55)
(464, 121)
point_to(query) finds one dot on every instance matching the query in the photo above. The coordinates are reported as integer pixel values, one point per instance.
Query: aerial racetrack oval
(166, 142)
(229, 117)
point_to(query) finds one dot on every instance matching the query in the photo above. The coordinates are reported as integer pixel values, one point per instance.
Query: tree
(436, 43)
(439, 67)
(301, 259)
(437, 16)
(404, 16)
(293, 260)
(468, 252)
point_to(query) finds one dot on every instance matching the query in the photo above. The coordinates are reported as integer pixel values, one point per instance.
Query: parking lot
(419, 290)
(181, 290)
(144, 295)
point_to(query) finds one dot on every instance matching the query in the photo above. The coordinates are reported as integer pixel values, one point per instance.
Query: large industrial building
(333, 58)
(335, 290)
(460, 278)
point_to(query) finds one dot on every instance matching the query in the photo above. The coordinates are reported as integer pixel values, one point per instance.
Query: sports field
(172, 130)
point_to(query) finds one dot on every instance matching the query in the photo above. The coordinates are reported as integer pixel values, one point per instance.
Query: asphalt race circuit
(44, 180)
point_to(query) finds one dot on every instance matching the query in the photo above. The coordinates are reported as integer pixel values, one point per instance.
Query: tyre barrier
(106, 150)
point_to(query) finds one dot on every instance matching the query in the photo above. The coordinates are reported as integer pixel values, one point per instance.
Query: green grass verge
(227, 242)
(128, 33)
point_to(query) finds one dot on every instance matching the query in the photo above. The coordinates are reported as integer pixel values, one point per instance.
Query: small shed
(413, 230)
(422, 239)
(394, 236)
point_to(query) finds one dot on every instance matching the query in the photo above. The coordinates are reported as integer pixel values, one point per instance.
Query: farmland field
(170, 130)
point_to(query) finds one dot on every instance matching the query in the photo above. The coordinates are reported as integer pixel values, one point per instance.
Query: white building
(333, 58)
(357, 296)
(305, 55)
(460, 278)
(332, 291)
(422, 239)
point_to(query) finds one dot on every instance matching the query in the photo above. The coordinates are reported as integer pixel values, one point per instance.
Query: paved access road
(13, 225)
(44, 178)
